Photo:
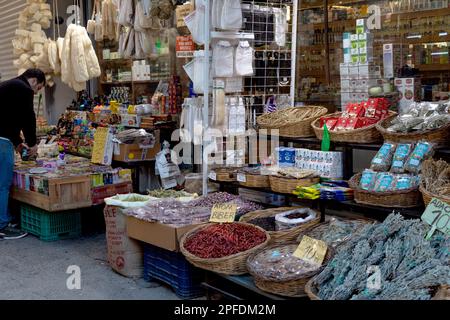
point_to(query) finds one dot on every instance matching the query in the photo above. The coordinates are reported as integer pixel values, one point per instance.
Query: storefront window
(397, 39)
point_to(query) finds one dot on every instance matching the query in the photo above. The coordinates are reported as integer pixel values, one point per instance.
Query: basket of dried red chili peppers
(223, 248)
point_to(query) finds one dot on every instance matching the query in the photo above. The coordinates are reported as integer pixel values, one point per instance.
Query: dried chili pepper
(221, 240)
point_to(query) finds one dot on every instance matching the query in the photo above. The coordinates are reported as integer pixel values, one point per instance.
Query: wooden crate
(63, 194)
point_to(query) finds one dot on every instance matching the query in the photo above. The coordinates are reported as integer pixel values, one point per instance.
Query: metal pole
(294, 52)
(206, 97)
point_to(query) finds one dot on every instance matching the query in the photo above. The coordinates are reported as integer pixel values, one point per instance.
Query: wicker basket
(256, 181)
(292, 122)
(225, 174)
(427, 196)
(288, 185)
(281, 236)
(440, 136)
(395, 199)
(367, 134)
(443, 292)
(232, 265)
(294, 287)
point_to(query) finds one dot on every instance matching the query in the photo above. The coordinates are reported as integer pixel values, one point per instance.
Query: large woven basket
(427, 196)
(440, 136)
(281, 236)
(312, 290)
(255, 181)
(396, 199)
(294, 287)
(292, 122)
(231, 265)
(367, 134)
(288, 185)
(225, 174)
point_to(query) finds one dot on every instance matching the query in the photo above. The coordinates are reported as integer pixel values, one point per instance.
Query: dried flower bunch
(410, 267)
(436, 177)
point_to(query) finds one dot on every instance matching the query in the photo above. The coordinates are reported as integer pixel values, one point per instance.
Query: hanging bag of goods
(223, 248)
(275, 269)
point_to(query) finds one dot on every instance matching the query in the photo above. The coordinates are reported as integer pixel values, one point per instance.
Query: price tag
(311, 250)
(223, 213)
(241, 177)
(437, 215)
(213, 176)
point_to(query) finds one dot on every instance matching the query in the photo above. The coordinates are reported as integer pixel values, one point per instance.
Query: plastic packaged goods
(400, 156)
(280, 264)
(368, 179)
(422, 151)
(244, 59)
(223, 59)
(383, 159)
(293, 218)
(384, 182)
(405, 182)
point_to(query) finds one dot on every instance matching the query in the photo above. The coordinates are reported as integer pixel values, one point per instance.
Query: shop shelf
(173, 269)
(50, 226)
(65, 193)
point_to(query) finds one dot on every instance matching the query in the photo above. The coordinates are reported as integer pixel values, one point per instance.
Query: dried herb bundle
(409, 266)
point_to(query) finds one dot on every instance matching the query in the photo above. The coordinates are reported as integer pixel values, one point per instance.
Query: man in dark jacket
(17, 114)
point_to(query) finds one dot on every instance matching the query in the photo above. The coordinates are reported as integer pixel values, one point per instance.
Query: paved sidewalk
(32, 269)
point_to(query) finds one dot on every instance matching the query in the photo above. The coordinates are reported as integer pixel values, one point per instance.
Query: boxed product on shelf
(394, 58)
(409, 89)
(327, 163)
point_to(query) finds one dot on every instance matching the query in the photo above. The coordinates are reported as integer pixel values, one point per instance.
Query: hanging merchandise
(244, 59)
(281, 26)
(231, 18)
(126, 13)
(219, 110)
(195, 23)
(223, 59)
(30, 44)
(199, 74)
(79, 62)
(109, 23)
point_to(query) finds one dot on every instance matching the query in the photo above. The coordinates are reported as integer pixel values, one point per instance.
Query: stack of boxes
(358, 72)
(141, 71)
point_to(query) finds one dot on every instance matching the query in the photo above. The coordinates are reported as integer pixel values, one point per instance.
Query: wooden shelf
(149, 81)
(115, 82)
(434, 67)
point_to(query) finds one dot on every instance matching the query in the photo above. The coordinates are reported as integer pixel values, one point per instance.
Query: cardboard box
(410, 90)
(353, 70)
(343, 67)
(133, 152)
(161, 235)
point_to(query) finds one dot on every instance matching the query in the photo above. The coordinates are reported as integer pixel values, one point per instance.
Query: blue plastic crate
(173, 269)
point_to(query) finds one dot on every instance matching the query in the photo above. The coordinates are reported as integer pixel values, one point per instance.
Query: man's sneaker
(13, 225)
(9, 233)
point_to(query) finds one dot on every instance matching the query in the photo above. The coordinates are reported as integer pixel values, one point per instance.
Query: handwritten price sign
(311, 250)
(223, 213)
(437, 215)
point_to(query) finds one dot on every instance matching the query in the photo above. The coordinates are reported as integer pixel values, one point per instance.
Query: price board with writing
(437, 215)
(223, 213)
(311, 250)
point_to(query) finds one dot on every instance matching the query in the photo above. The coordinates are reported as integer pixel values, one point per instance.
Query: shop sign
(437, 215)
(185, 47)
(311, 250)
(223, 213)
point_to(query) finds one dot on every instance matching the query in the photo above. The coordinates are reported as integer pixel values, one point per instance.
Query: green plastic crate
(51, 226)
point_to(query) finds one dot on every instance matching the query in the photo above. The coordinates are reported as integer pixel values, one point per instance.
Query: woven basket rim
(381, 128)
(432, 195)
(275, 234)
(328, 257)
(354, 184)
(291, 179)
(192, 257)
(268, 126)
(316, 127)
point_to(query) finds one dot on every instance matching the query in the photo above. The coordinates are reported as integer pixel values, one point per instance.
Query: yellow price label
(311, 250)
(223, 213)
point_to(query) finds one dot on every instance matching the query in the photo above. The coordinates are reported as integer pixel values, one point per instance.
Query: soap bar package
(384, 182)
(422, 151)
(400, 156)
(383, 159)
(368, 179)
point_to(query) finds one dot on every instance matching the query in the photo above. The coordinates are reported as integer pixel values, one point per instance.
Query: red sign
(185, 46)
